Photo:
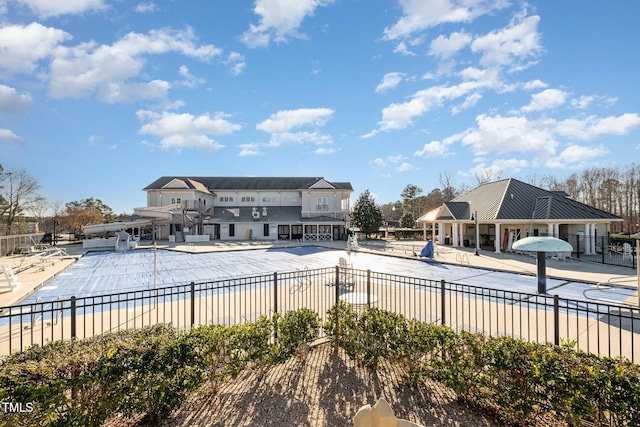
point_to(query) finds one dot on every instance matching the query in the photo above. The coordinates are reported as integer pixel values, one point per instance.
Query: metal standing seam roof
(510, 199)
(246, 183)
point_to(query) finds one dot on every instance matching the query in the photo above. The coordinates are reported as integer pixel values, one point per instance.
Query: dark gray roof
(510, 199)
(247, 183)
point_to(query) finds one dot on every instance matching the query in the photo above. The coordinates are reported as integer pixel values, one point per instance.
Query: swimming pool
(100, 273)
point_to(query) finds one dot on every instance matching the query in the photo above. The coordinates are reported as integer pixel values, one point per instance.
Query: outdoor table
(358, 298)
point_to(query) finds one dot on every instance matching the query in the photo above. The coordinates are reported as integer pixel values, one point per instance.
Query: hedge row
(518, 379)
(150, 371)
(146, 371)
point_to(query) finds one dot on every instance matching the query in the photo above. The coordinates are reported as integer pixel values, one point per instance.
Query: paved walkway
(34, 277)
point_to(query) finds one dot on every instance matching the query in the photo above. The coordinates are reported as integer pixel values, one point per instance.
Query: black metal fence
(606, 251)
(599, 328)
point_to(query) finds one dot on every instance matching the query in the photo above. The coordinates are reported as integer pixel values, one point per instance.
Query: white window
(248, 199)
(322, 204)
(175, 200)
(268, 199)
(226, 199)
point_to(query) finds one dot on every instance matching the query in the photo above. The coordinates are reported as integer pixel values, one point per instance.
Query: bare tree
(18, 193)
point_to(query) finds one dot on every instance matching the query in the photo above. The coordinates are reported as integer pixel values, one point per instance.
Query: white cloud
(8, 136)
(285, 120)
(404, 167)
(146, 7)
(446, 47)
(511, 134)
(399, 116)
(588, 128)
(190, 79)
(281, 124)
(389, 81)
(321, 151)
(236, 63)
(419, 15)
(279, 19)
(469, 102)
(534, 85)
(402, 48)
(518, 134)
(82, 70)
(12, 102)
(379, 161)
(396, 159)
(512, 46)
(433, 149)
(583, 102)
(180, 131)
(47, 8)
(545, 100)
(576, 155)
(21, 47)
(249, 150)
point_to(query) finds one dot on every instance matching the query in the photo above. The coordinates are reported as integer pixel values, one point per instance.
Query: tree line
(21, 203)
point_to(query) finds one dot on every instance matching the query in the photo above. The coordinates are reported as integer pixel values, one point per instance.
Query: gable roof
(510, 199)
(213, 184)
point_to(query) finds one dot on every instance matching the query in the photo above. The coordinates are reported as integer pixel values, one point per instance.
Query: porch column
(460, 234)
(587, 239)
(433, 232)
(550, 230)
(498, 238)
(454, 235)
(593, 239)
(556, 230)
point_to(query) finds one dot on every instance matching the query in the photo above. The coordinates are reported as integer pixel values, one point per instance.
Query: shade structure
(541, 245)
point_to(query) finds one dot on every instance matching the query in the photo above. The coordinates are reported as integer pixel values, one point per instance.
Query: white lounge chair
(626, 252)
(8, 280)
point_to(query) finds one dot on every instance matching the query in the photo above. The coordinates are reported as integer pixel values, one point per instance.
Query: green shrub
(294, 329)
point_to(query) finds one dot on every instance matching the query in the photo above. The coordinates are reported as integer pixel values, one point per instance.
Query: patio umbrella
(541, 246)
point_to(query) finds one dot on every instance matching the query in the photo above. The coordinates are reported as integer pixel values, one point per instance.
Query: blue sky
(98, 98)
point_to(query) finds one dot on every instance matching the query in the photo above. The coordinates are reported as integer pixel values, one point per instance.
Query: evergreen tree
(366, 215)
(407, 221)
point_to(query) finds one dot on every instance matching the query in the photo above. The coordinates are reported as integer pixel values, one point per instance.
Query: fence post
(193, 304)
(73, 317)
(442, 304)
(556, 320)
(336, 320)
(275, 292)
(604, 246)
(369, 288)
(578, 246)
(275, 301)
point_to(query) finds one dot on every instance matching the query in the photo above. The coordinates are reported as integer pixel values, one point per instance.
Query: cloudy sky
(98, 98)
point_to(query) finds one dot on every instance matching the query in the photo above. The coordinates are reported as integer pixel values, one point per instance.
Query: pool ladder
(462, 258)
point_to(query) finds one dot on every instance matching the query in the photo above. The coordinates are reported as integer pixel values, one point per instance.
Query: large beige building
(256, 208)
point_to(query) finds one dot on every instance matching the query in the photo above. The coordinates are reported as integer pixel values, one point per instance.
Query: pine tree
(366, 215)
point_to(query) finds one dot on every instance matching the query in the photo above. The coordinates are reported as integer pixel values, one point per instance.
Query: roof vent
(264, 211)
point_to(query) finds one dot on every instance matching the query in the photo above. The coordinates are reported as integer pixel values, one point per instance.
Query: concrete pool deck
(35, 277)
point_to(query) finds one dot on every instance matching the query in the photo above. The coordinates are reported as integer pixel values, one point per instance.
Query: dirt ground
(321, 389)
